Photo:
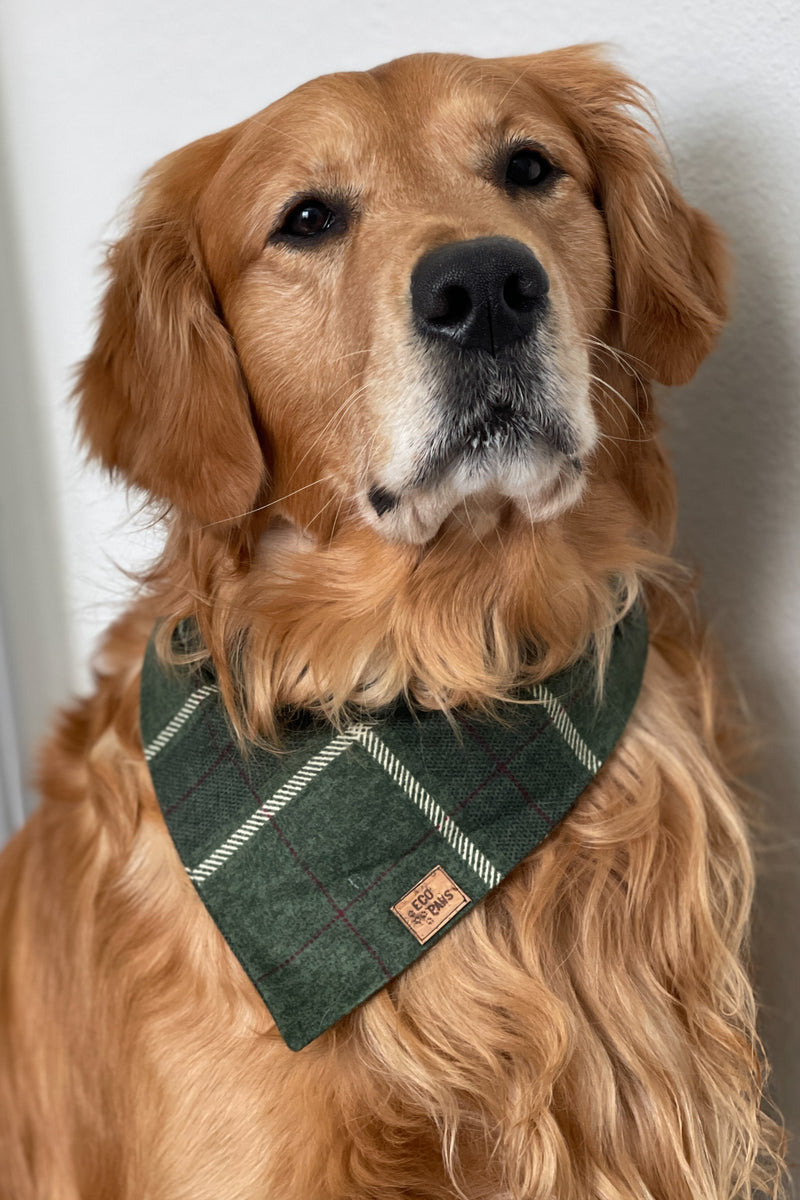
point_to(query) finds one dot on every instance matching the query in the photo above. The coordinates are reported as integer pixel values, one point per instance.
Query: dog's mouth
(501, 435)
(531, 457)
(501, 427)
(500, 431)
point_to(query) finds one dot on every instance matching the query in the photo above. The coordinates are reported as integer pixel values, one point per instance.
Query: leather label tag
(431, 904)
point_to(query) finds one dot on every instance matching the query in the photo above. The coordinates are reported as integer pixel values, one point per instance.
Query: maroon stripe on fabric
(339, 912)
(305, 946)
(223, 754)
(503, 769)
(310, 873)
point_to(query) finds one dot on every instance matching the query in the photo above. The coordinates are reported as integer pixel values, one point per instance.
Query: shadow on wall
(734, 436)
(33, 618)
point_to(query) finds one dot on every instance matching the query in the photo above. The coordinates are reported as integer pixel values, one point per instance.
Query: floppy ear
(671, 267)
(161, 398)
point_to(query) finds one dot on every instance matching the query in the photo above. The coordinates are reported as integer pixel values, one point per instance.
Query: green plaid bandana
(331, 867)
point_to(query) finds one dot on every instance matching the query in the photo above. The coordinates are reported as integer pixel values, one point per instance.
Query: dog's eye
(528, 168)
(308, 219)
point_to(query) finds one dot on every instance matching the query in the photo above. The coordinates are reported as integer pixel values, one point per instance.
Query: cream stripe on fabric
(266, 811)
(560, 718)
(449, 830)
(181, 717)
(445, 825)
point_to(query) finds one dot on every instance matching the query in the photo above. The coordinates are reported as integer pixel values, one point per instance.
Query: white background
(93, 91)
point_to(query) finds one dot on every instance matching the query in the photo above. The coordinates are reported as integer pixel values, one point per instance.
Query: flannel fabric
(330, 867)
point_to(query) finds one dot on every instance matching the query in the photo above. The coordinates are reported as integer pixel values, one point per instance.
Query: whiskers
(624, 359)
(625, 362)
(331, 426)
(261, 507)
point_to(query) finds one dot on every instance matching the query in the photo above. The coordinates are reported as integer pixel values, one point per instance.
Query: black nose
(483, 294)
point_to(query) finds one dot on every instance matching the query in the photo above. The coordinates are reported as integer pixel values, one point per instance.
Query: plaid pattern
(300, 856)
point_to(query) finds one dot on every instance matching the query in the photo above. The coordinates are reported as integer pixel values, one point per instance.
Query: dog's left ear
(671, 267)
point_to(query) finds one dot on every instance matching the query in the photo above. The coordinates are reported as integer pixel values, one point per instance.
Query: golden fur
(588, 1032)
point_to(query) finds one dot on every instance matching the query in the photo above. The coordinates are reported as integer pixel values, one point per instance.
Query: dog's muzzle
(495, 408)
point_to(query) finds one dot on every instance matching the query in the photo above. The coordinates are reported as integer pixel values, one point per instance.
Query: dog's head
(385, 352)
(391, 291)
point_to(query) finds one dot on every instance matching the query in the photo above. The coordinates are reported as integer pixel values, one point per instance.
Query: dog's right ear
(161, 397)
(671, 266)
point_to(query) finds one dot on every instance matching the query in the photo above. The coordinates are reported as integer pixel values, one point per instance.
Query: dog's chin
(477, 487)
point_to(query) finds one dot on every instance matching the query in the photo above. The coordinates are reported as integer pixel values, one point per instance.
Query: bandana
(331, 866)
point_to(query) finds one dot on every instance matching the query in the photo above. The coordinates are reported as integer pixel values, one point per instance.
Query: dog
(382, 357)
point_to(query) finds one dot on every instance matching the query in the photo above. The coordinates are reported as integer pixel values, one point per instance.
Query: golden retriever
(384, 355)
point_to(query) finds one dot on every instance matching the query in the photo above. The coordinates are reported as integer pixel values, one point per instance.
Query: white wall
(93, 91)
